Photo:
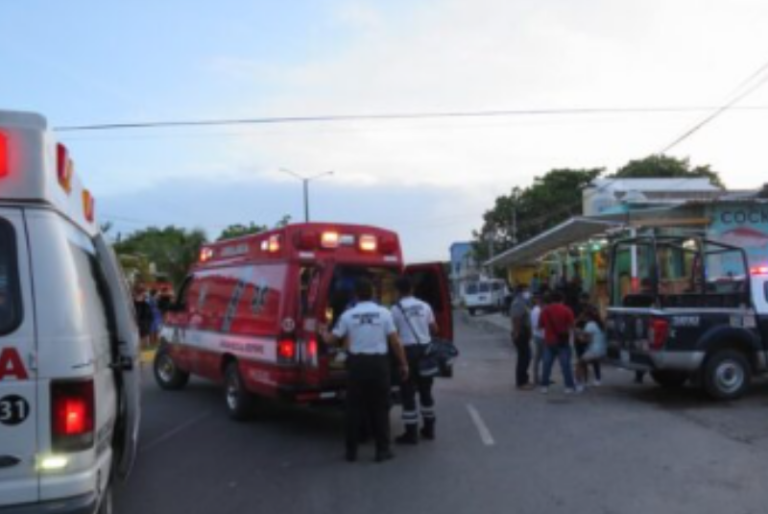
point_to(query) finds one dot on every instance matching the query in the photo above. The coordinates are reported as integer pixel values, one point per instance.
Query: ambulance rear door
(431, 285)
(125, 360)
(18, 378)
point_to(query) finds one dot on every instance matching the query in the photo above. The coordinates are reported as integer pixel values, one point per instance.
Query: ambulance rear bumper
(85, 504)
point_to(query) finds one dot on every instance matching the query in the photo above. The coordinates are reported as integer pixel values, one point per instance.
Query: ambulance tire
(167, 375)
(241, 404)
(727, 375)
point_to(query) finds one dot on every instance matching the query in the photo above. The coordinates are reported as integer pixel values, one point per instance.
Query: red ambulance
(249, 313)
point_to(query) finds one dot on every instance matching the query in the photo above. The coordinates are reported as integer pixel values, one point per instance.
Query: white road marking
(482, 429)
(174, 432)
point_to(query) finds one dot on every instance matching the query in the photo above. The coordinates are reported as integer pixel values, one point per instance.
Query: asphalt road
(620, 448)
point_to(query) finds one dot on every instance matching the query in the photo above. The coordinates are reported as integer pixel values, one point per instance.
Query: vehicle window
(485, 287)
(471, 289)
(342, 290)
(93, 291)
(10, 293)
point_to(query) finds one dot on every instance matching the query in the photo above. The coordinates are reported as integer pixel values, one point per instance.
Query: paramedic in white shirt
(415, 324)
(368, 334)
(538, 339)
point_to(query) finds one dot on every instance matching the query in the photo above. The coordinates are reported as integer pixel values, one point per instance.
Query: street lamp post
(305, 181)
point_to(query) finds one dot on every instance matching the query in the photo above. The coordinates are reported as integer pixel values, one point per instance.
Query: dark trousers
(523, 346)
(416, 384)
(368, 399)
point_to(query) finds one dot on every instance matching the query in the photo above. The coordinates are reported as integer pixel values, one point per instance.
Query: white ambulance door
(18, 376)
(125, 359)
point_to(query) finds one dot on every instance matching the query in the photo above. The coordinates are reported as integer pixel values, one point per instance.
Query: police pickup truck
(687, 308)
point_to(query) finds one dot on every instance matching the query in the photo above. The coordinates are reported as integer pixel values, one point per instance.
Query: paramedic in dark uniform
(369, 334)
(415, 324)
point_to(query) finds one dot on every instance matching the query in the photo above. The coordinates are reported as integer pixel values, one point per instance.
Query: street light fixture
(305, 181)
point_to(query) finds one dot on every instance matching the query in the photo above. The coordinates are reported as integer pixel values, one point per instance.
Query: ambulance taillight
(286, 350)
(72, 415)
(368, 243)
(5, 165)
(329, 240)
(64, 168)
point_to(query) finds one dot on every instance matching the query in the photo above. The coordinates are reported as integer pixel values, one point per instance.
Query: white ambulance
(69, 370)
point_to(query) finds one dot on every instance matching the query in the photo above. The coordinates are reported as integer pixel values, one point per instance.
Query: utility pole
(305, 182)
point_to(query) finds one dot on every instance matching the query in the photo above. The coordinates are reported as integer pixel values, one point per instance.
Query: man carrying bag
(415, 323)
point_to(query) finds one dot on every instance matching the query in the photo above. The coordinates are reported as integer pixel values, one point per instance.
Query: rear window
(10, 296)
(472, 289)
(485, 287)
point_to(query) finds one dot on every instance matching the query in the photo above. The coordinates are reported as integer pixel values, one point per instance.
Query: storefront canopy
(574, 230)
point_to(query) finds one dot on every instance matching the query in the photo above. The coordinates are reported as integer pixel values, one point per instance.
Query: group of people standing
(150, 307)
(371, 335)
(546, 328)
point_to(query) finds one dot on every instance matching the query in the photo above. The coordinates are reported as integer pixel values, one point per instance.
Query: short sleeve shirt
(597, 337)
(556, 320)
(519, 310)
(419, 315)
(368, 326)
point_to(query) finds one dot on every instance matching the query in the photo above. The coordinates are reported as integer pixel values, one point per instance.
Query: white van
(69, 389)
(485, 294)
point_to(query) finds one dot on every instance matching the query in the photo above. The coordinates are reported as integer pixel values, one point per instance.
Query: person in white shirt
(593, 336)
(415, 324)
(538, 340)
(368, 333)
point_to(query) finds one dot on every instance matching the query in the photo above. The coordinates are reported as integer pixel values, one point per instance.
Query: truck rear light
(286, 350)
(311, 351)
(72, 415)
(658, 333)
(329, 240)
(759, 270)
(368, 243)
(5, 166)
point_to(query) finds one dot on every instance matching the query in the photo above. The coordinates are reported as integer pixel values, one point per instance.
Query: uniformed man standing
(415, 324)
(368, 333)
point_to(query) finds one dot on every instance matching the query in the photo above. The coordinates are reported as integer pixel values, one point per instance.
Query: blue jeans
(563, 354)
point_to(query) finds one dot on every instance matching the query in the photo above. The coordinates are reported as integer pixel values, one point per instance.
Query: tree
(663, 166)
(239, 230)
(173, 250)
(551, 199)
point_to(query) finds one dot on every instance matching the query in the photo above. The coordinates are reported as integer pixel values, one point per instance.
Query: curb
(147, 356)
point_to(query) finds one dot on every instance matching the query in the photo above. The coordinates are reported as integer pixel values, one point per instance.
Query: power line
(720, 110)
(388, 116)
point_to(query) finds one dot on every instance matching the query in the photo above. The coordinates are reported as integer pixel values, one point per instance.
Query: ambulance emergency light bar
(34, 167)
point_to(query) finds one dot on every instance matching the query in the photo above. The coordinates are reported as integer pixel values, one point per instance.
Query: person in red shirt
(558, 322)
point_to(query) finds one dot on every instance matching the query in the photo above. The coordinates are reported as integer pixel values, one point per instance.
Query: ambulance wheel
(167, 374)
(727, 375)
(670, 379)
(240, 403)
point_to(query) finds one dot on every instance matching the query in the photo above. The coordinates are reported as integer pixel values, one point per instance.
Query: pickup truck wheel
(167, 374)
(240, 403)
(727, 375)
(670, 379)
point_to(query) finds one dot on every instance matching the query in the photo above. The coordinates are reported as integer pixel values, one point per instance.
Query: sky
(91, 62)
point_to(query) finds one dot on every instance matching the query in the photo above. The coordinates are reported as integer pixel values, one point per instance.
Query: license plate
(624, 357)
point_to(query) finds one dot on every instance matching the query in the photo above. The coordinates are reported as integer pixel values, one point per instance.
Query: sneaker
(569, 390)
(579, 389)
(597, 383)
(544, 390)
